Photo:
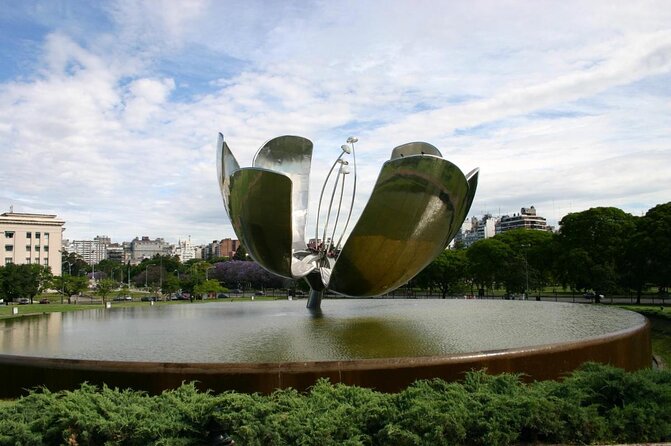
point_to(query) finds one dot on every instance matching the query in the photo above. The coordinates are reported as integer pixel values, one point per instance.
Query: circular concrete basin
(260, 346)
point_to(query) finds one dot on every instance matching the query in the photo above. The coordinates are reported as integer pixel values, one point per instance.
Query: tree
(68, 285)
(488, 262)
(170, 284)
(241, 253)
(207, 287)
(655, 230)
(24, 280)
(447, 272)
(105, 287)
(73, 264)
(601, 233)
(532, 263)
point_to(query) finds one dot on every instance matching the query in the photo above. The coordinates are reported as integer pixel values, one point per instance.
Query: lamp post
(63, 278)
(93, 265)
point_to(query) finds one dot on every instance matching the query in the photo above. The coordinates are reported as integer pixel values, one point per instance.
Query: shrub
(594, 404)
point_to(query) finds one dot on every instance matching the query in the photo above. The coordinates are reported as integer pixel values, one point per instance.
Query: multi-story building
(91, 251)
(32, 239)
(526, 219)
(145, 248)
(473, 230)
(115, 252)
(184, 250)
(227, 247)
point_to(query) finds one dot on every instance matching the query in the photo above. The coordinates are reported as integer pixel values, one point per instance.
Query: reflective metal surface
(260, 210)
(226, 165)
(417, 205)
(414, 148)
(291, 155)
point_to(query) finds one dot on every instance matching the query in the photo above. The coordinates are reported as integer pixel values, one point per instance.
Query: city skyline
(109, 112)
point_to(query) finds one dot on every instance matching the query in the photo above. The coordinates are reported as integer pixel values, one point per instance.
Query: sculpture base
(315, 300)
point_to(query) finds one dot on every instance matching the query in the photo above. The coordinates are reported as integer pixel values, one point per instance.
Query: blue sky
(109, 111)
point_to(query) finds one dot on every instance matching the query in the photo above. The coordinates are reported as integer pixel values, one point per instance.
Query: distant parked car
(149, 299)
(122, 298)
(44, 300)
(222, 296)
(259, 293)
(24, 301)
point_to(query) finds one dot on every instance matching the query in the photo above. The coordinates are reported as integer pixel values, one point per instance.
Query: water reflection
(285, 331)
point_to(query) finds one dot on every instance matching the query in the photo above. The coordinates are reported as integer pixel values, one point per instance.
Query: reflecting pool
(279, 331)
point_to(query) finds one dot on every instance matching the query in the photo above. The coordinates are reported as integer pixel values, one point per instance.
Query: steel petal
(226, 165)
(415, 207)
(292, 156)
(260, 211)
(414, 148)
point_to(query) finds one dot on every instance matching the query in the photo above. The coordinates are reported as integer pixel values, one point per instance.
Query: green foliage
(105, 287)
(209, 286)
(597, 403)
(448, 272)
(18, 281)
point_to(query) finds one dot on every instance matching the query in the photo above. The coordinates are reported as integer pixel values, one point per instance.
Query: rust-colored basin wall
(629, 349)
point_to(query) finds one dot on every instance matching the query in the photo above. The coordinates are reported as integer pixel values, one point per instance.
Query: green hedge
(594, 404)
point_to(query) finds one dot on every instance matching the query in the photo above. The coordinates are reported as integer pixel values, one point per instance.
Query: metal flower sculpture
(417, 205)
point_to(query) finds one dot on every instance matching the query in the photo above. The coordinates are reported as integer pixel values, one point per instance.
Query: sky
(110, 111)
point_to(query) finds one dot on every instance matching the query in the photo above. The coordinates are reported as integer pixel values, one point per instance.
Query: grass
(86, 304)
(660, 318)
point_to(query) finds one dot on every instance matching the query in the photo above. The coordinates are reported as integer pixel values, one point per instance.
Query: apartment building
(146, 248)
(32, 239)
(227, 247)
(526, 219)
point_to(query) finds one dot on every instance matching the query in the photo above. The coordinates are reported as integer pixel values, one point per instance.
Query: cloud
(562, 106)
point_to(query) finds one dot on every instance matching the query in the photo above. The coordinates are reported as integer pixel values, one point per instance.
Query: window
(46, 261)
(29, 234)
(37, 235)
(8, 260)
(28, 248)
(37, 260)
(46, 248)
(27, 260)
(46, 237)
(9, 234)
(37, 247)
(9, 248)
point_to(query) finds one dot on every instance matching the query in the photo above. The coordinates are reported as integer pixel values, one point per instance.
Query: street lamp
(63, 278)
(93, 264)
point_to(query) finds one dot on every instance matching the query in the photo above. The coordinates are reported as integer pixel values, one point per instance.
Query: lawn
(660, 318)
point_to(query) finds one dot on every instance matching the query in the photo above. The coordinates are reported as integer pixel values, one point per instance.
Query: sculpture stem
(316, 290)
(315, 299)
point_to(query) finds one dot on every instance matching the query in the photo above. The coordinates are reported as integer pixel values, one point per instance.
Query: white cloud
(106, 134)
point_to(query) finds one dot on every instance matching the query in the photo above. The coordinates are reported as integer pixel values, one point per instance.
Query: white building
(473, 230)
(184, 250)
(526, 219)
(32, 239)
(91, 251)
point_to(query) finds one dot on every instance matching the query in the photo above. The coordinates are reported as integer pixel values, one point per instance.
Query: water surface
(277, 331)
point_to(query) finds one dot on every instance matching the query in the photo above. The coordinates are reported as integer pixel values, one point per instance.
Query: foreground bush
(594, 404)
